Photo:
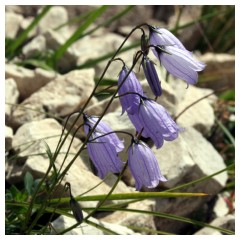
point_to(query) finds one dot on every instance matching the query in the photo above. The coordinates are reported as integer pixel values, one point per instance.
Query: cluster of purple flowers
(150, 119)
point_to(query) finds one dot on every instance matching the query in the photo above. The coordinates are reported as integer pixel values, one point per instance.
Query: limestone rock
(28, 81)
(201, 115)
(87, 228)
(60, 97)
(220, 208)
(139, 220)
(8, 138)
(12, 24)
(36, 46)
(54, 40)
(11, 96)
(108, 42)
(55, 17)
(25, 23)
(226, 222)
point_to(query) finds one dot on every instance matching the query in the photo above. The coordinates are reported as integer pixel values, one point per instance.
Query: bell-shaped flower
(103, 148)
(128, 99)
(151, 76)
(144, 165)
(104, 128)
(155, 121)
(163, 37)
(179, 63)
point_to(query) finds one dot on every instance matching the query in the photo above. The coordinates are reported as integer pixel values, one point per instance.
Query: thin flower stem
(197, 101)
(112, 133)
(60, 178)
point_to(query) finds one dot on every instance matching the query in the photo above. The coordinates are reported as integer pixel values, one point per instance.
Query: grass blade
(90, 19)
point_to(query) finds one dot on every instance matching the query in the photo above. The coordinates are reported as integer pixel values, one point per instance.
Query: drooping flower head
(103, 149)
(129, 102)
(163, 37)
(155, 121)
(143, 165)
(171, 53)
(151, 76)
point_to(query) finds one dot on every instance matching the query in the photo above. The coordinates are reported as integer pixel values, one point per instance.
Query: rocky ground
(37, 98)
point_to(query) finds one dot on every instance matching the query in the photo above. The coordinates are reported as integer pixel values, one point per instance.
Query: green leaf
(137, 195)
(36, 63)
(90, 19)
(28, 182)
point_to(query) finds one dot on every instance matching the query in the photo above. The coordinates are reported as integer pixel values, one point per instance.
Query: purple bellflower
(151, 76)
(163, 37)
(144, 166)
(129, 102)
(173, 55)
(155, 122)
(103, 149)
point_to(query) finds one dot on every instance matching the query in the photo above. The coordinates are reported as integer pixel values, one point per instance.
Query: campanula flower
(163, 37)
(151, 76)
(173, 55)
(129, 102)
(143, 165)
(179, 63)
(155, 121)
(103, 149)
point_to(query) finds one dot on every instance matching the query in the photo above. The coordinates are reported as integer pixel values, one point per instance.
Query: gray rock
(36, 161)
(88, 228)
(8, 138)
(188, 158)
(60, 97)
(12, 24)
(11, 96)
(36, 46)
(220, 67)
(28, 81)
(226, 222)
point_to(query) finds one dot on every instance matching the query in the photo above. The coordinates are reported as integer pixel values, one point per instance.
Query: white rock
(226, 222)
(201, 115)
(28, 81)
(11, 96)
(190, 155)
(55, 17)
(8, 138)
(60, 97)
(102, 45)
(12, 24)
(25, 24)
(220, 208)
(54, 40)
(64, 222)
(134, 219)
(36, 46)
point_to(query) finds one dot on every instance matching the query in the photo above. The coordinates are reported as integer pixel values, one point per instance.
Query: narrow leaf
(28, 182)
